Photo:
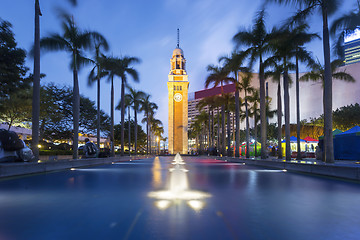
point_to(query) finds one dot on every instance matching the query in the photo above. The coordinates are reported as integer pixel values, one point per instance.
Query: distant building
(195, 97)
(352, 47)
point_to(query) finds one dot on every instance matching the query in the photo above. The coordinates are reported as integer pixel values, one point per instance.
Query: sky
(148, 30)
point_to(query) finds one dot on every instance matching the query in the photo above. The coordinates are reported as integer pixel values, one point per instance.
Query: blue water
(111, 202)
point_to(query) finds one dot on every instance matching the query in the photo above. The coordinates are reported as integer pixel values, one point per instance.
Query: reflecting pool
(226, 201)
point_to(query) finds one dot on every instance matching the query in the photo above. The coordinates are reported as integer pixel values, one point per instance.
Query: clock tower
(178, 85)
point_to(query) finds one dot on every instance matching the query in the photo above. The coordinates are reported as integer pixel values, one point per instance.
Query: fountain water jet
(178, 188)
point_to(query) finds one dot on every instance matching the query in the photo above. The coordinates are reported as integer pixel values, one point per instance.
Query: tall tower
(178, 85)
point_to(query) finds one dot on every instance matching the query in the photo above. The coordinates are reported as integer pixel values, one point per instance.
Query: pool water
(237, 202)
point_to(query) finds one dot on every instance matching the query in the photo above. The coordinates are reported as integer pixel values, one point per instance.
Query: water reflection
(156, 172)
(178, 189)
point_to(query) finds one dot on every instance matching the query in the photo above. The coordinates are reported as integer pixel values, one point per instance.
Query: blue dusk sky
(147, 30)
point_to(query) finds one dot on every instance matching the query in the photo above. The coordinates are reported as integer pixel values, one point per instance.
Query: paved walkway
(341, 168)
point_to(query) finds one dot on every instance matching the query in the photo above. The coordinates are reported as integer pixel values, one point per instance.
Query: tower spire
(178, 38)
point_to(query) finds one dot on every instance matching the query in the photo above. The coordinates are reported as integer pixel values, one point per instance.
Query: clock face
(177, 97)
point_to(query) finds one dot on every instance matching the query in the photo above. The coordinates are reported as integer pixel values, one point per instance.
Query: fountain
(178, 188)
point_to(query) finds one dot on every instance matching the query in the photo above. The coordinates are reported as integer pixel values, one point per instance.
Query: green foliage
(141, 138)
(272, 132)
(56, 114)
(344, 118)
(347, 117)
(12, 60)
(16, 109)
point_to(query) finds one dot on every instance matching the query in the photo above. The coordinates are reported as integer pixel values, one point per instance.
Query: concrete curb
(331, 170)
(18, 169)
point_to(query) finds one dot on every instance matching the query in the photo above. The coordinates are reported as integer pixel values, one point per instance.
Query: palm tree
(36, 83)
(210, 103)
(282, 46)
(134, 97)
(73, 40)
(228, 100)
(100, 73)
(326, 7)
(255, 113)
(148, 108)
(299, 37)
(275, 74)
(219, 76)
(155, 127)
(121, 67)
(158, 130)
(287, 44)
(108, 64)
(256, 39)
(127, 105)
(245, 85)
(233, 64)
(194, 132)
(198, 128)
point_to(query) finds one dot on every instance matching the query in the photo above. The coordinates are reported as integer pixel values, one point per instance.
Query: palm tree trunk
(228, 134)
(255, 136)
(298, 157)
(98, 107)
(76, 110)
(209, 131)
(223, 135)
(122, 115)
(247, 129)
(262, 109)
(279, 118)
(287, 116)
(211, 122)
(328, 138)
(135, 118)
(150, 140)
(129, 138)
(147, 133)
(218, 131)
(112, 145)
(36, 85)
(237, 123)
(233, 133)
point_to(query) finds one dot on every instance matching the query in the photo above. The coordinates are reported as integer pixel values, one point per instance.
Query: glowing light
(162, 204)
(267, 170)
(284, 170)
(72, 169)
(196, 204)
(39, 146)
(178, 189)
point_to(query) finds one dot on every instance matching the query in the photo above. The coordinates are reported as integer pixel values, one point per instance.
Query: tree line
(79, 44)
(277, 53)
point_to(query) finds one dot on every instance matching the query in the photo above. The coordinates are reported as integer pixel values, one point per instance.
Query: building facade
(352, 47)
(178, 85)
